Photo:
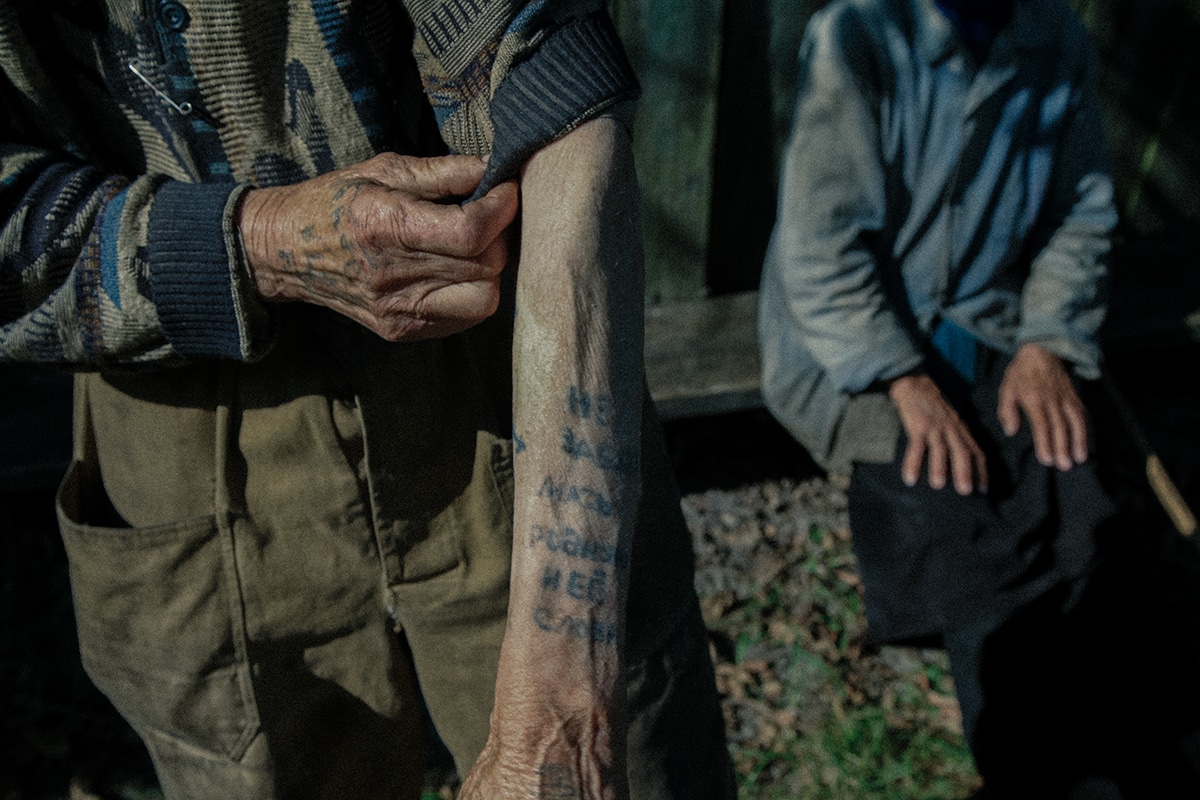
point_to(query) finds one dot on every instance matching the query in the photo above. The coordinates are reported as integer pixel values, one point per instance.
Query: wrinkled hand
(543, 754)
(936, 435)
(384, 243)
(1037, 384)
(558, 729)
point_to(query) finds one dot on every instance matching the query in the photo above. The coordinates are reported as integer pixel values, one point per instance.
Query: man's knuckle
(394, 164)
(368, 224)
(381, 161)
(462, 235)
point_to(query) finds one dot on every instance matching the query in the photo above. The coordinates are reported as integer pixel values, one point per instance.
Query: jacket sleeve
(506, 78)
(1064, 299)
(832, 204)
(100, 268)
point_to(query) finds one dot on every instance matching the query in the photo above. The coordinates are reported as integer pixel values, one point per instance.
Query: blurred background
(719, 80)
(811, 710)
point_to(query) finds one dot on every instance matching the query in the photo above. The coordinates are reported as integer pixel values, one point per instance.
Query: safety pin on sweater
(183, 108)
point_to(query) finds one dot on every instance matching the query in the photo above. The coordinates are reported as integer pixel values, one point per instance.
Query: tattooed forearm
(592, 589)
(578, 602)
(576, 419)
(571, 494)
(604, 455)
(584, 405)
(571, 543)
(588, 630)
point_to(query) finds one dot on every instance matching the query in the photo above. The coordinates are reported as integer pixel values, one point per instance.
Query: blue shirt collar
(937, 40)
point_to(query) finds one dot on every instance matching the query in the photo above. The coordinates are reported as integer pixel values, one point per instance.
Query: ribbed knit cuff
(191, 272)
(576, 73)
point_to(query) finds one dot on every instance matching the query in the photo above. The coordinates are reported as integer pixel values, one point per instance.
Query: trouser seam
(226, 428)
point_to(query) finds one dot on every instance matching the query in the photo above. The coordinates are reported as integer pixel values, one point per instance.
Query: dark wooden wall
(718, 78)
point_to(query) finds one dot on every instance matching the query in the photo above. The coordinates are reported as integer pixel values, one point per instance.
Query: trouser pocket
(157, 611)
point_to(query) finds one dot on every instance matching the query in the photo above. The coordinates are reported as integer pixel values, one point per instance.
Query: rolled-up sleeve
(100, 269)
(100, 266)
(506, 78)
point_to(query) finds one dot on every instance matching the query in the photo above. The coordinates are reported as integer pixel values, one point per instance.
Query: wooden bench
(702, 356)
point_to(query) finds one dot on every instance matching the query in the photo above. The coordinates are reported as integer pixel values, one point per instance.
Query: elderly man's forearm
(558, 727)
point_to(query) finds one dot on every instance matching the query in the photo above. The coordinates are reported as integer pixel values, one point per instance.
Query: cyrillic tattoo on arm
(604, 455)
(597, 410)
(567, 582)
(571, 543)
(592, 589)
(583, 628)
(572, 494)
(585, 406)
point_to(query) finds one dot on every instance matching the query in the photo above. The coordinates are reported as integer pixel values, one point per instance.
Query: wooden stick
(1160, 481)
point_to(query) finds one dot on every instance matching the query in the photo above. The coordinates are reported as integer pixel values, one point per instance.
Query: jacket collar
(1032, 26)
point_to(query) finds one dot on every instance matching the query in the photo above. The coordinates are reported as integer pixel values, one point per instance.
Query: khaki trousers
(272, 563)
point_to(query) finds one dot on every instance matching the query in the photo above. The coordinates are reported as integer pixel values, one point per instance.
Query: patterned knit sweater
(129, 129)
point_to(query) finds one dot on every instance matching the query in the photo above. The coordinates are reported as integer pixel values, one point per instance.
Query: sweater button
(173, 15)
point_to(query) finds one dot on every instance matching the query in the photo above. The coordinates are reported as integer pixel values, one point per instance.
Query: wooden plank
(758, 85)
(702, 356)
